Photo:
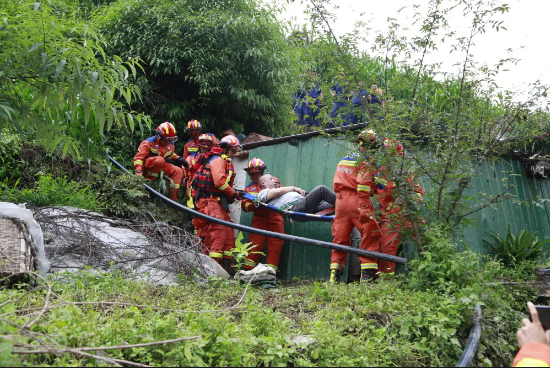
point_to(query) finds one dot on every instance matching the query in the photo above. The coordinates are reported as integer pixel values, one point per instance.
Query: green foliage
(52, 191)
(241, 250)
(442, 265)
(514, 250)
(224, 62)
(124, 194)
(10, 149)
(56, 82)
(385, 324)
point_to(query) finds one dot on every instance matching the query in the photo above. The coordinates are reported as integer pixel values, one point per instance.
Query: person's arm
(533, 341)
(277, 192)
(141, 155)
(220, 177)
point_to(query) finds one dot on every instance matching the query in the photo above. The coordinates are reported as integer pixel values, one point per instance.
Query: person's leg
(312, 202)
(341, 230)
(388, 245)
(371, 241)
(257, 241)
(217, 233)
(275, 246)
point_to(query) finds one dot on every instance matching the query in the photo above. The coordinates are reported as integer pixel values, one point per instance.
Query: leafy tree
(221, 62)
(450, 123)
(56, 82)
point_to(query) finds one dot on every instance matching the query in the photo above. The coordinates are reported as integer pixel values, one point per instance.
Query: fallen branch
(79, 352)
(103, 348)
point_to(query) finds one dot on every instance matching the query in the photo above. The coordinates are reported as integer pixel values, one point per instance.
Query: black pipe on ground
(298, 239)
(473, 341)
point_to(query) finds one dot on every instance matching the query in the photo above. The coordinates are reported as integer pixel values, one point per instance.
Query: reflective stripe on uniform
(273, 266)
(156, 175)
(138, 162)
(348, 163)
(215, 255)
(363, 188)
(192, 149)
(369, 266)
(154, 151)
(530, 362)
(249, 263)
(337, 266)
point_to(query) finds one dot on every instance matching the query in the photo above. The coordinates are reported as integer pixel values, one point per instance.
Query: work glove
(236, 196)
(179, 162)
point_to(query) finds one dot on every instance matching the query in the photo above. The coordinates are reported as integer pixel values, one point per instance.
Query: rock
(302, 340)
(156, 252)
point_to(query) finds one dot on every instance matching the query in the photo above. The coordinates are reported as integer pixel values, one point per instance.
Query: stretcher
(323, 216)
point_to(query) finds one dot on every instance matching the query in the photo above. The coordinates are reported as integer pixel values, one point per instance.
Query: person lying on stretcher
(293, 198)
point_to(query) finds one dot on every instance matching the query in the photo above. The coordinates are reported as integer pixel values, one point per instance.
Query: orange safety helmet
(230, 141)
(256, 165)
(167, 131)
(206, 141)
(193, 124)
(394, 147)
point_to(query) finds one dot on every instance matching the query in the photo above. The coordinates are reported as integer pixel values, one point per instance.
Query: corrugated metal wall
(311, 162)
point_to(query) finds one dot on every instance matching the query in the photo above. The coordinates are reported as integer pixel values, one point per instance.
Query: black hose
(473, 341)
(298, 239)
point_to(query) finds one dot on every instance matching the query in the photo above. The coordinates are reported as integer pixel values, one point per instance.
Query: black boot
(367, 276)
(335, 276)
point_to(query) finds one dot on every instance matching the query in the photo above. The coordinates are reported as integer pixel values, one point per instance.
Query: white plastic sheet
(19, 212)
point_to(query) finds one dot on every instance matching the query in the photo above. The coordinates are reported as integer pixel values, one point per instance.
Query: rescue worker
(392, 221)
(194, 129)
(213, 191)
(263, 219)
(157, 153)
(353, 182)
(205, 144)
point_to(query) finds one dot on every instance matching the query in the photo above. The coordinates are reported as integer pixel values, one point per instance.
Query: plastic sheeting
(24, 215)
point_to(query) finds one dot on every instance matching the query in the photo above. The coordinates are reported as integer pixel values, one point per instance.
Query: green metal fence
(311, 162)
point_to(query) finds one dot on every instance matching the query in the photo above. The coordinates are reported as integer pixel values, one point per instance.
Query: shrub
(514, 250)
(52, 191)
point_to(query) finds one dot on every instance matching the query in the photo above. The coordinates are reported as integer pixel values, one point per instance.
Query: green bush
(52, 191)
(10, 149)
(514, 250)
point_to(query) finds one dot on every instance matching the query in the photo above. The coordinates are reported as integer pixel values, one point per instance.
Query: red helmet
(206, 141)
(394, 147)
(193, 124)
(230, 141)
(167, 131)
(256, 165)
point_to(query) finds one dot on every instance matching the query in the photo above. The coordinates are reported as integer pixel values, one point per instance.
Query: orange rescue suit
(532, 354)
(217, 238)
(353, 184)
(152, 158)
(265, 220)
(392, 222)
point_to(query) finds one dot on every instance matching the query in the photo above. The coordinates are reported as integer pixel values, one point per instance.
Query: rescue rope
(292, 238)
(292, 214)
(473, 341)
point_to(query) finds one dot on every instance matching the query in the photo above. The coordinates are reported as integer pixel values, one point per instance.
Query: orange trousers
(218, 239)
(271, 222)
(346, 218)
(154, 165)
(388, 245)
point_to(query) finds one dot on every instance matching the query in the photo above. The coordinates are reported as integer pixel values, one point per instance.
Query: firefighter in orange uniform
(213, 191)
(157, 153)
(392, 220)
(194, 129)
(263, 219)
(353, 184)
(205, 144)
